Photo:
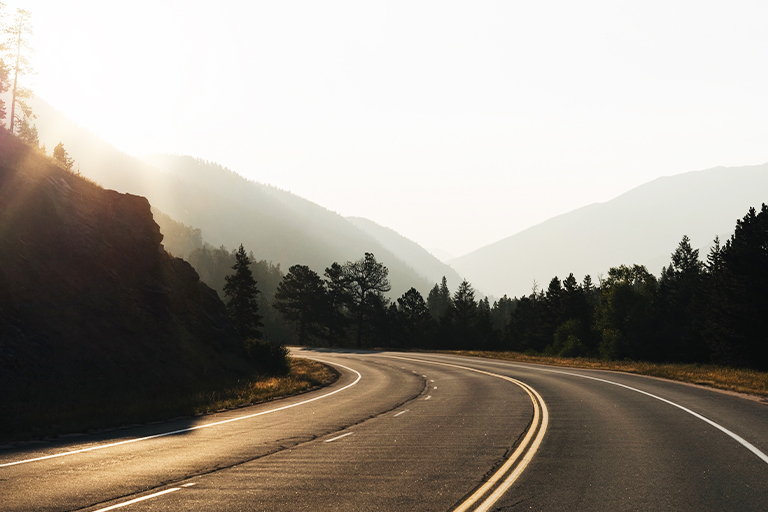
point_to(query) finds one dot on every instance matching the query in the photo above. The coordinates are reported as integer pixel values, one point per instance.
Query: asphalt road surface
(419, 432)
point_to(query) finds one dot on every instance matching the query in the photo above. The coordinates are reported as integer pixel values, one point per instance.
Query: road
(412, 431)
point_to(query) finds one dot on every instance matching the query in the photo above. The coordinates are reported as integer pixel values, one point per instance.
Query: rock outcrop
(92, 308)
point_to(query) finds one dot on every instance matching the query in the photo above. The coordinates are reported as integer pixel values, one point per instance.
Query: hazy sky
(455, 123)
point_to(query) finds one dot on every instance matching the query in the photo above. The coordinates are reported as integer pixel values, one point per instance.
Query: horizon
(455, 125)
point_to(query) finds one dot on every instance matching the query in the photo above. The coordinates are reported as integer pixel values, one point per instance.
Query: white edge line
(746, 444)
(198, 427)
(401, 412)
(120, 505)
(339, 437)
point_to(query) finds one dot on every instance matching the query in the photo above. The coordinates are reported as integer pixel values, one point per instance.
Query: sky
(456, 124)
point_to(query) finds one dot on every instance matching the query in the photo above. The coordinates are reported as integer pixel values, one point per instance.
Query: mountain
(276, 225)
(424, 263)
(642, 226)
(94, 315)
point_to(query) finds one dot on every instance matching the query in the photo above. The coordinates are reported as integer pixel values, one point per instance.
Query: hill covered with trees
(94, 315)
(277, 226)
(640, 226)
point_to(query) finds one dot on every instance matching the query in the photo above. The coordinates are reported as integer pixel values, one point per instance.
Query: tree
(301, 298)
(15, 48)
(679, 287)
(439, 300)
(5, 71)
(361, 279)
(61, 158)
(462, 316)
(241, 289)
(413, 318)
(337, 307)
(626, 315)
(736, 324)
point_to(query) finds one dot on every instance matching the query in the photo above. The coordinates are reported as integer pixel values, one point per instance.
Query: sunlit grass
(303, 376)
(731, 379)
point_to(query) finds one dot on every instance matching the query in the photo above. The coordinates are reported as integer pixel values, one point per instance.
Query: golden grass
(304, 375)
(740, 380)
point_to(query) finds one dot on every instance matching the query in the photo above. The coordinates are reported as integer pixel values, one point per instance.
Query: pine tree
(61, 158)
(15, 49)
(241, 289)
(363, 279)
(301, 298)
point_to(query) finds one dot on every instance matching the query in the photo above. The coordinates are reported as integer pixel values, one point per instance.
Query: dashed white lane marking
(120, 505)
(435, 387)
(189, 485)
(524, 452)
(338, 437)
(401, 412)
(430, 396)
(198, 427)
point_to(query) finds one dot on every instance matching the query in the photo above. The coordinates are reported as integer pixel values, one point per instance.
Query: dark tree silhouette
(241, 289)
(736, 324)
(439, 300)
(302, 299)
(361, 279)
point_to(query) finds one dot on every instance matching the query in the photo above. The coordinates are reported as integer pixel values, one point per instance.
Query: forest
(709, 310)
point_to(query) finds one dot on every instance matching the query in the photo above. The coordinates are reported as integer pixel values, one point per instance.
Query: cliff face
(89, 300)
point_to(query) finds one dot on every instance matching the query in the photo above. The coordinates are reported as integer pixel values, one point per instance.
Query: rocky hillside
(93, 311)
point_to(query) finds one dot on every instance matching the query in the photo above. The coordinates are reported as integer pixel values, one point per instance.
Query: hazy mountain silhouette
(276, 225)
(424, 263)
(641, 226)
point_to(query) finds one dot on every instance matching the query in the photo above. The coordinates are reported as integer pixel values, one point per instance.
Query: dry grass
(743, 381)
(303, 376)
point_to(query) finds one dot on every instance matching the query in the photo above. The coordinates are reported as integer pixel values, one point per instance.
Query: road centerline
(524, 452)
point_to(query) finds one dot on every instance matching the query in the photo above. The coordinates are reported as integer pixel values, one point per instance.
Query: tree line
(710, 311)
(15, 72)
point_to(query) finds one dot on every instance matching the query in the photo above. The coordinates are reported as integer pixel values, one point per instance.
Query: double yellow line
(490, 492)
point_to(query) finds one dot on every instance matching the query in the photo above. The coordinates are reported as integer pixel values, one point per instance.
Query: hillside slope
(229, 210)
(93, 312)
(424, 263)
(641, 226)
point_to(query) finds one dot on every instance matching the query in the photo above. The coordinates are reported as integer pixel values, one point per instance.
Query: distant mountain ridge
(421, 260)
(643, 225)
(276, 225)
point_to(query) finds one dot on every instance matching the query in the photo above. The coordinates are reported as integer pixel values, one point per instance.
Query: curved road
(419, 431)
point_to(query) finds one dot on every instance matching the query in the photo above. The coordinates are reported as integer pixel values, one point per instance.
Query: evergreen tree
(680, 283)
(338, 300)
(433, 302)
(5, 71)
(462, 316)
(301, 298)
(626, 316)
(16, 47)
(362, 280)
(736, 324)
(241, 289)
(61, 157)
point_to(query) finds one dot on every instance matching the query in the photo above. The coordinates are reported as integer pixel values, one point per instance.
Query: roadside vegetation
(97, 412)
(740, 380)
